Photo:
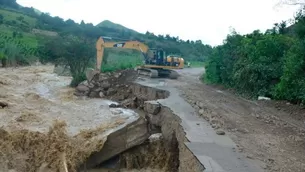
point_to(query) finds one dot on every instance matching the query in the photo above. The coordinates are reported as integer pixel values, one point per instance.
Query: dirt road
(268, 131)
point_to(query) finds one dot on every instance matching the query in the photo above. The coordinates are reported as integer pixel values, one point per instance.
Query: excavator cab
(156, 57)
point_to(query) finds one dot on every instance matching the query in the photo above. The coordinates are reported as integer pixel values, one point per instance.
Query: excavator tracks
(152, 73)
(155, 73)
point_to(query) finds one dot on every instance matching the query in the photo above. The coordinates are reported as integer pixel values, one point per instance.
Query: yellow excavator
(156, 63)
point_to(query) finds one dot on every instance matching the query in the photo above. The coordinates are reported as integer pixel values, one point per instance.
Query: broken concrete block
(119, 141)
(152, 107)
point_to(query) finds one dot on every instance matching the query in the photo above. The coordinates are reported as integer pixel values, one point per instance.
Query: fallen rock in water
(112, 105)
(130, 103)
(3, 104)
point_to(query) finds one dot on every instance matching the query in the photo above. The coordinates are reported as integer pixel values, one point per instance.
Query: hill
(111, 25)
(18, 24)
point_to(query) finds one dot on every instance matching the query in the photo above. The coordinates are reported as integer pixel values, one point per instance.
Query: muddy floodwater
(44, 120)
(36, 97)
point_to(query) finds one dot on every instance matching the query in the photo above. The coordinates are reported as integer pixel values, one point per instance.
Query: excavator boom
(101, 45)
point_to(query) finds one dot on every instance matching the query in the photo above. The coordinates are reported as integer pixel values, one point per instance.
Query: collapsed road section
(216, 153)
(164, 150)
(188, 142)
(126, 124)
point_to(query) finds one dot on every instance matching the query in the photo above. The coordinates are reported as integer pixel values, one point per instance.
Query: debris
(101, 94)
(111, 91)
(112, 105)
(263, 98)
(220, 132)
(249, 157)
(155, 137)
(201, 112)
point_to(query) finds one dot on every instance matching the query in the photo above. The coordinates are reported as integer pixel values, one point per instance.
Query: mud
(45, 127)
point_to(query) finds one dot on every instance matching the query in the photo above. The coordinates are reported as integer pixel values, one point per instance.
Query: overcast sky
(208, 20)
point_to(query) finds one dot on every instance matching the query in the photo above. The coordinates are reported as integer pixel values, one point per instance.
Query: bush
(259, 64)
(292, 84)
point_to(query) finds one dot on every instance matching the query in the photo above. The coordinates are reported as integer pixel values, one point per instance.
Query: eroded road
(271, 133)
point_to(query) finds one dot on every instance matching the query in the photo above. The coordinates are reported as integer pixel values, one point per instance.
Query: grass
(28, 39)
(196, 64)
(121, 61)
(12, 16)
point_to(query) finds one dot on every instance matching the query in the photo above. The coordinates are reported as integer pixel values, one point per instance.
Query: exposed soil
(269, 131)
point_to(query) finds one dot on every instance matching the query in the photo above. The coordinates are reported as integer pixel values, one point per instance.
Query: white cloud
(208, 20)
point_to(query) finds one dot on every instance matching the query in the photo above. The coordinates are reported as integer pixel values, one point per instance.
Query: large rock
(130, 103)
(82, 88)
(90, 73)
(105, 84)
(111, 92)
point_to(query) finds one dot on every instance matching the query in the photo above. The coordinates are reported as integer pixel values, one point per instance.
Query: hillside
(26, 31)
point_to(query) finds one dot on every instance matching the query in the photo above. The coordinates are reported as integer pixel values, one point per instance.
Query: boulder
(82, 88)
(101, 94)
(3, 104)
(130, 103)
(105, 84)
(90, 73)
(94, 94)
(111, 92)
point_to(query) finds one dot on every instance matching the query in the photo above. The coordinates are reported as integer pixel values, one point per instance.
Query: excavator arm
(101, 45)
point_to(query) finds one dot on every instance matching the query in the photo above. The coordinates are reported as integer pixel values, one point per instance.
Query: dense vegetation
(263, 64)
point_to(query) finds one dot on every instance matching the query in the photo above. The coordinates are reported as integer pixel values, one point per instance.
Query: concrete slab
(215, 152)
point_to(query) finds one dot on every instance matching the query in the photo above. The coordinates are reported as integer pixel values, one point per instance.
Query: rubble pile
(114, 86)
